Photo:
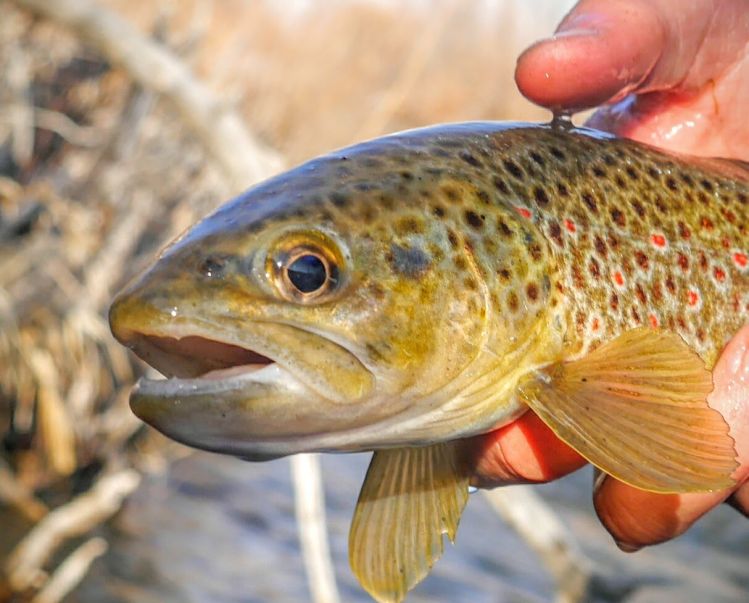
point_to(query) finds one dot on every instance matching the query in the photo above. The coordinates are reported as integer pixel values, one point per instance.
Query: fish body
(431, 285)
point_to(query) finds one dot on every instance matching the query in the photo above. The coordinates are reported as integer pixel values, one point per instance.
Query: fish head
(327, 309)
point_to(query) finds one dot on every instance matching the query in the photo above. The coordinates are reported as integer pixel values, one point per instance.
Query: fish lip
(213, 332)
(215, 382)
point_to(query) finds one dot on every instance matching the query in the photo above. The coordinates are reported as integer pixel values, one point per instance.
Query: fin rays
(410, 498)
(636, 408)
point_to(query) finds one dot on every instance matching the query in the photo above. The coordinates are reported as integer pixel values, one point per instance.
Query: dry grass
(97, 173)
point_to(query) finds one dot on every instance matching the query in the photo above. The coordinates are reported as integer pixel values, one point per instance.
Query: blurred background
(121, 123)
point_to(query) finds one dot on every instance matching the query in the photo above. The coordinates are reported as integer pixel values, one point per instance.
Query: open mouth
(194, 357)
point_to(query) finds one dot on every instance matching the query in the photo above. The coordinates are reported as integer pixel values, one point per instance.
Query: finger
(601, 49)
(606, 48)
(525, 451)
(636, 518)
(739, 500)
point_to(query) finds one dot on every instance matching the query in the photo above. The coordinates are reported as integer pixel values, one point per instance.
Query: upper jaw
(189, 345)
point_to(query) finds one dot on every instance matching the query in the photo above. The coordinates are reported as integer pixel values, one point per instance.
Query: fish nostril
(213, 266)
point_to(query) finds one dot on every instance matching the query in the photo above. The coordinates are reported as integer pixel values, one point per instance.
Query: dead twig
(527, 513)
(71, 571)
(25, 563)
(243, 159)
(54, 121)
(13, 493)
(310, 515)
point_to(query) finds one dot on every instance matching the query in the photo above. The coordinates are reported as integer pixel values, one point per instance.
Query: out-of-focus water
(214, 529)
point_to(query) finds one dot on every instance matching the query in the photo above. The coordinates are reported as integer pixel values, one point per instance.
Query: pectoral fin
(637, 409)
(410, 498)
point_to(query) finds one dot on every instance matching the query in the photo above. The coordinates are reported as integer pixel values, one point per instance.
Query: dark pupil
(307, 273)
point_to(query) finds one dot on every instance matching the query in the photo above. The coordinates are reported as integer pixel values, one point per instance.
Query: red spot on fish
(740, 259)
(596, 324)
(693, 297)
(653, 319)
(707, 223)
(726, 242)
(618, 278)
(683, 262)
(719, 274)
(658, 240)
(570, 226)
(523, 211)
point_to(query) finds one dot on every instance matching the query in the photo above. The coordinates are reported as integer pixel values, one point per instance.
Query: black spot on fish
(542, 199)
(558, 154)
(470, 159)
(686, 179)
(590, 201)
(537, 159)
(503, 229)
(411, 262)
(501, 185)
(473, 219)
(339, 199)
(514, 169)
(555, 232)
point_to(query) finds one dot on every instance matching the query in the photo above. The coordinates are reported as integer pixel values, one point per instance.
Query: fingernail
(627, 548)
(598, 478)
(575, 32)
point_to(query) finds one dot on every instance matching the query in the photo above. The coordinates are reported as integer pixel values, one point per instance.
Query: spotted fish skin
(639, 237)
(631, 235)
(454, 277)
(475, 254)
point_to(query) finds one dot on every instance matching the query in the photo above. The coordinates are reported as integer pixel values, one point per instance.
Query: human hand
(678, 75)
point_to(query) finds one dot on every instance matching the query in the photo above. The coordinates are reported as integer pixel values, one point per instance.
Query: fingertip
(525, 451)
(636, 518)
(601, 51)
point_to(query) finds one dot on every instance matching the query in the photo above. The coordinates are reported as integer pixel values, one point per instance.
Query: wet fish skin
(480, 268)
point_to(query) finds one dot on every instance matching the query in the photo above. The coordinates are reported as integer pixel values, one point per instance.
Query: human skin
(675, 74)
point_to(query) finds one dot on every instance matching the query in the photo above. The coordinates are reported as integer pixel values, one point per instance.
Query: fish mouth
(258, 390)
(196, 358)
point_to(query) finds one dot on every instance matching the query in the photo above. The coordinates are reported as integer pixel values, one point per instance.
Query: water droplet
(173, 312)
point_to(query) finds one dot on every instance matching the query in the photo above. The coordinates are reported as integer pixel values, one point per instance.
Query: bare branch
(527, 513)
(243, 159)
(310, 517)
(24, 565)
(12, 492)
(71, 571)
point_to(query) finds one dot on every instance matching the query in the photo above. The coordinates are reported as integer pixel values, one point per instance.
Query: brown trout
(407, 292)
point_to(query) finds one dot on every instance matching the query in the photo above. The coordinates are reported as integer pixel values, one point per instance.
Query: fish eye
(304, 266)
(309, 273)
